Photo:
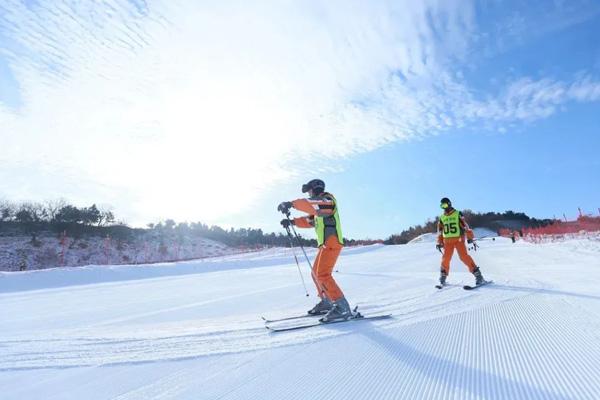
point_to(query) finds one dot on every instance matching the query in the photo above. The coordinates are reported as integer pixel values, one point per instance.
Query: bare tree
(53, 207)
(36, 211)
(106, 217)
(7, 210)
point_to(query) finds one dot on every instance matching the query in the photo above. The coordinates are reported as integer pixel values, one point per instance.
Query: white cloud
(198, 106)
(527, 100)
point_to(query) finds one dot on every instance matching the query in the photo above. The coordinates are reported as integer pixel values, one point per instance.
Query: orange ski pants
(326, 257)
(459, 244)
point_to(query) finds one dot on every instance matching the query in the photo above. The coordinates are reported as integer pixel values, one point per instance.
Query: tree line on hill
(490, 220)
(54, 216)
(242, 237)
(59, 216)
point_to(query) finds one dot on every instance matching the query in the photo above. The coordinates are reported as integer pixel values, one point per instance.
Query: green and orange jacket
(322, 215)
(446, 231)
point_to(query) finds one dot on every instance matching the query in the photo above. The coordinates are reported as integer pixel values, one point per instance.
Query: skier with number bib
(452, 230)
(323, 215)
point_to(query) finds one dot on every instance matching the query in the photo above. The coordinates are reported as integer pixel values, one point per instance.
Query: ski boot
(321, 308)
(340, 311)
(478, 277)
(443, 277)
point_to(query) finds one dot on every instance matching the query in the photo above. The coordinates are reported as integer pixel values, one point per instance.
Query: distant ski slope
(193, 330)
(432, 237)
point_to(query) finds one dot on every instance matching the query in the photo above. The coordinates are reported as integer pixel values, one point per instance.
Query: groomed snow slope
(193, 330)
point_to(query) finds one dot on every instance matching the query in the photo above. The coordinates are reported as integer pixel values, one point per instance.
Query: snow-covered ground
(193, 330)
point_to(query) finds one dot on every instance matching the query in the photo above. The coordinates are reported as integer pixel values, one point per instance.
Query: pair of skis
(272, 324)
(467, 287)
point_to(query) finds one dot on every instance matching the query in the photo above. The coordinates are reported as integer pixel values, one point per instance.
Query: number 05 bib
(451, 224)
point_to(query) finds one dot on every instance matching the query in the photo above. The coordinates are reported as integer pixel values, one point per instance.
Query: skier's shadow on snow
(451, 374)
(541, 291)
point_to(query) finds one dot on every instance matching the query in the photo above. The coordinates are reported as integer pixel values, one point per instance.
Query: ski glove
(439, 246)
(284, 207)
(470, 241)
(286, 223)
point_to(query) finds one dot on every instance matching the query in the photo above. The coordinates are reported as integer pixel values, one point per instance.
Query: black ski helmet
(316, 185)
(446, 200)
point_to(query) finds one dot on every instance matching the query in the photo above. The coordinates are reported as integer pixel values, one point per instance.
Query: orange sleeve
(467, 228)
(311, 207)
(463, 223)
(303, 222)
(440, 228)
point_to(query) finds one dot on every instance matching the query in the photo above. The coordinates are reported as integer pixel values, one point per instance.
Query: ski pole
(312, 272)
(287, 228)
(287, 216)
(302, 247)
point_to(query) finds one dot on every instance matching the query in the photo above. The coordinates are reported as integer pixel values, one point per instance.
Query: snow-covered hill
(193, 330)
(425, 238)
(48, 250)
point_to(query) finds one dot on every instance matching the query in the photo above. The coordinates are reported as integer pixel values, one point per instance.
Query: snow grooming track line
(575, 344)
(86, 352)
(472, 359)
(548, 364)
(470, 372)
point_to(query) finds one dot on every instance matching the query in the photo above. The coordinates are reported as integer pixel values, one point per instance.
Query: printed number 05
(450, 228)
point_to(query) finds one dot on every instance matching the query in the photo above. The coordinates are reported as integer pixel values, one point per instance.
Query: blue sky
(217, 112)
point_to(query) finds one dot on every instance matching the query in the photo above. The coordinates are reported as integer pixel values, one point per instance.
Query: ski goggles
(443, 206)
